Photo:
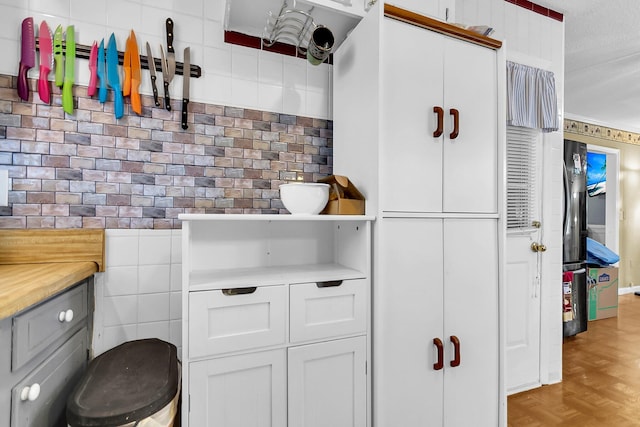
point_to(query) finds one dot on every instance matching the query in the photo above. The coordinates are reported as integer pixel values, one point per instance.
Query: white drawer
(227, 320)
(327, 309)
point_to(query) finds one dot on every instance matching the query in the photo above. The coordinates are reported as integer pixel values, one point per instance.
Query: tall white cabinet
(276, 320)
(418, 128)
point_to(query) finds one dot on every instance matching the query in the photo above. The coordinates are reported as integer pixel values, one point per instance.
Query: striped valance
(531, 98)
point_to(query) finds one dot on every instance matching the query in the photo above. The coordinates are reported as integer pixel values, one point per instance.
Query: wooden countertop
(37, 264)
(23, 285)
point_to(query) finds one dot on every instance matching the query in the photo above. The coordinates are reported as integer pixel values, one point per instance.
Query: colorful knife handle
(126, 85)
(67, 96)
(59, 70)
(155, 91)
(167, 99)
(93, 80)
(23, 84)
(102, 91)
(185, 103)
(136, 105)
(119, 102)
(43, 85)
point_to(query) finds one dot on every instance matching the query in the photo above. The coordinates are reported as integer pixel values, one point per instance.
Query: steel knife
(93, 68)
(102, 74)
(69, 70)
(136, 105)
(186, 75)
(57, 55)
(113, 76)
(152, 70)
(27, 57)
(171, 64)
(126, 66)
(46, 62)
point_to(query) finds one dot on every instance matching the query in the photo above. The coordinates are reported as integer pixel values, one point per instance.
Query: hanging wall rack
(83, 51)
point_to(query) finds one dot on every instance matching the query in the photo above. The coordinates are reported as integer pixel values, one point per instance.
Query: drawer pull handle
(65, 316)
(30, 393)
(329, 283)
(239, 291)
(456, 351)
(440, 362)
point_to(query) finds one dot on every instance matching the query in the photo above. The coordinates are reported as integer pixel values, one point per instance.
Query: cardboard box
(344, 197)
(602, 285)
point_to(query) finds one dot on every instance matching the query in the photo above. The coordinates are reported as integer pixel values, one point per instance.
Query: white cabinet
(276, 320)
(456, 166)
(439, 285)
(438, 354)
(327, 384)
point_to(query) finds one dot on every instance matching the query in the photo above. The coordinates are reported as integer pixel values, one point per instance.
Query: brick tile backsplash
(91, 170)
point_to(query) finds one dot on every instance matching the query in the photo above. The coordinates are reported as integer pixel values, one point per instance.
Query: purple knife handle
(119, 102)
(43, 85)
(23, 84)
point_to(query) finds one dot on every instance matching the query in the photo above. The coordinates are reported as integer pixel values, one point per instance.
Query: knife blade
(93, 68)
(102, 74)
(27, 57)
(69, 70)
(126, 66)
(57, 55)
(171, 63)
(152, 71)
(136, 105)
(46, 62)
(113, 77)
(185, 85)
(165, 79)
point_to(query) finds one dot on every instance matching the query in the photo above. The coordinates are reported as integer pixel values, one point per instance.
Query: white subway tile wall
(139, 294)
(231, 74)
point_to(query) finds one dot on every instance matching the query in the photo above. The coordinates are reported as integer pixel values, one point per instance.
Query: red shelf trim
(526, 4)
(246, 40)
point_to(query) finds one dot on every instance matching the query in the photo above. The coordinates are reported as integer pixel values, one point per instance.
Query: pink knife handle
(23, 84)
(43, 85)
(93, 80)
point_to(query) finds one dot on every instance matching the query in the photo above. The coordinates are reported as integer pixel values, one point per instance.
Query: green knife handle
(67, 97)
(59, 70)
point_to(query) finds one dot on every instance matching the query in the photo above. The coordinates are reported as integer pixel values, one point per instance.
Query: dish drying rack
(291, 25)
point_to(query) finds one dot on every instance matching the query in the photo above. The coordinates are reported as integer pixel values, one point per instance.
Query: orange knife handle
(126, 86)
(43, 85)
(136, 106)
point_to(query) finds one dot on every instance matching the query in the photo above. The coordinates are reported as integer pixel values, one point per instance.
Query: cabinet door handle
(456, 121)
(65, 316)
(239, 291)
(456, 351)
(440, 363)
(440, 112)
(30, 393)
(329, 283)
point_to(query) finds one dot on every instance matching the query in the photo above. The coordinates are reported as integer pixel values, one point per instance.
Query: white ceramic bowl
(304, 198)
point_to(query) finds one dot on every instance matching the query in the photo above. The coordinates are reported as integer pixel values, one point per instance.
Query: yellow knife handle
(136, 106)
(126, 86)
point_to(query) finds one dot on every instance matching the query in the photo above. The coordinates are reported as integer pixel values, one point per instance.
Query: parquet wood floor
(601, 378)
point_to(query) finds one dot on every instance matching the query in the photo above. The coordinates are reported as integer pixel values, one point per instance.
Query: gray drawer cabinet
(43, 352)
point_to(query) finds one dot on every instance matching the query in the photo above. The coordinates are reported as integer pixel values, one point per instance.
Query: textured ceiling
(602, 60)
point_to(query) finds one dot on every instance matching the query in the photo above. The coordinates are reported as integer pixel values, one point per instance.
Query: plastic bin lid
(128, 383)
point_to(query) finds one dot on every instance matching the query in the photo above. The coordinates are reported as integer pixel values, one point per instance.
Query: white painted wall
(538, 41)
(231, 75)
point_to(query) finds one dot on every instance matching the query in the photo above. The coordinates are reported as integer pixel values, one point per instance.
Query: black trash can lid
(128, 383)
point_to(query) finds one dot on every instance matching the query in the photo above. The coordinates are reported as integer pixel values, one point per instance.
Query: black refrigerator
(574, 256)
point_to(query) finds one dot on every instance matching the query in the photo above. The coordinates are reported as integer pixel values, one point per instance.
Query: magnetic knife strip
(83, 51)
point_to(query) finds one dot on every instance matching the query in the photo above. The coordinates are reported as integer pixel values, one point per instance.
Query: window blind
(522, 180)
